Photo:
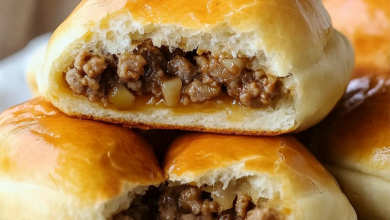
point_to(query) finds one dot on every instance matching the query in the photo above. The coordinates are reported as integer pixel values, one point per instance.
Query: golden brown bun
(291, 39)
(278, 168)
(367, 24)
(56, 167)
(354, 143)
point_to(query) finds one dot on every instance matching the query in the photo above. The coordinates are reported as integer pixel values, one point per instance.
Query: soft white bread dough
(293, 40)
(56, 167)
(277, 172)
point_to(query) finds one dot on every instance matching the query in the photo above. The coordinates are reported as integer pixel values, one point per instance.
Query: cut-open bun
(297, 65)
(276, 175)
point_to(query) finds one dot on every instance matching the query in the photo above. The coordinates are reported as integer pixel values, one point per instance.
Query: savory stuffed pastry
(246, 67)
(213, 176)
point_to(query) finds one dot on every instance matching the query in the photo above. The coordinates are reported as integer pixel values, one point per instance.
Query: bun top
(91, 161)
(369, 32)
(192, 156)
(278, 169)
(357, 134)
(280, 29)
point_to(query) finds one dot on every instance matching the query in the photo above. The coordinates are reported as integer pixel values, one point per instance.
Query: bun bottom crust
(24, 200)
(369, 195)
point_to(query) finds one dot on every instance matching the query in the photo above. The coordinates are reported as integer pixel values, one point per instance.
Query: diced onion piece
(233, 65)
(171, 89)
(224, 199)
(121, 97)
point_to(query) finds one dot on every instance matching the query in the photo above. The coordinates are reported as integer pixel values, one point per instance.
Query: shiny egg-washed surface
(369, 32)
(41, 145)
(270, 155)
(357, 134)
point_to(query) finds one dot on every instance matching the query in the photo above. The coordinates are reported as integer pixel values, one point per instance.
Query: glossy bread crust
(369, 32)
(54, 166)
(292, 39)
(354, 142)
(357, 134)
(279, 169)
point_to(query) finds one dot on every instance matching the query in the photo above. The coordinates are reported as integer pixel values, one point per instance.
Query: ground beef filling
(191, 203)
(147, 69)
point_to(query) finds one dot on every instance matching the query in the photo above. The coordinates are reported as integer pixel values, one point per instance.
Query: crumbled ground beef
(182, 68)
(130, 67)
(191, 203)
(262, 214)
(242, 204)
(142, 71)
(200, 92)
(74, 79)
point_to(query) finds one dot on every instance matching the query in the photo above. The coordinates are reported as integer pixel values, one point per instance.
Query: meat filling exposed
(191, 203)
(175, 76)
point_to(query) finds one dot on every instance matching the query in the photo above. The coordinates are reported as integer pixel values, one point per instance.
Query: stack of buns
(57, 167)
(244, 73)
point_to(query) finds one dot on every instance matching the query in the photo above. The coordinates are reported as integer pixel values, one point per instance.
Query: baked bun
(35, 65)
(369, 31)
(56, 167)
(245, 67)
(353, 143)
(250, 177)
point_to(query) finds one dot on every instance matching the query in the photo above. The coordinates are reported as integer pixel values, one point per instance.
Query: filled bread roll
(247, 67)
(367, 24)
(213, 176)
(354, 144)
(56, 167)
